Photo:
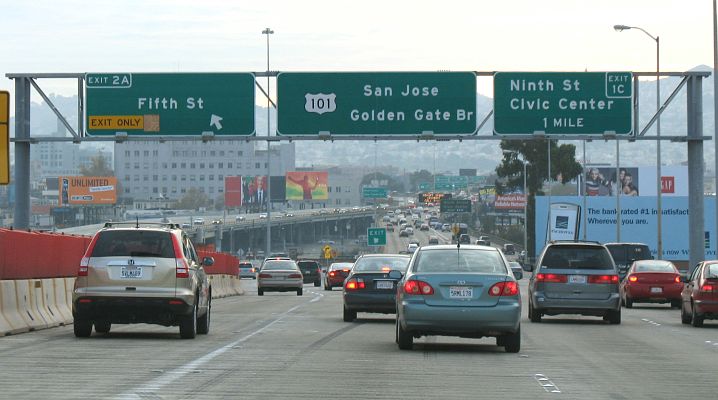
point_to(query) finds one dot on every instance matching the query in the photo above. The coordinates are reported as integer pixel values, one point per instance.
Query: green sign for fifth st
(376, 103)
(563, 102)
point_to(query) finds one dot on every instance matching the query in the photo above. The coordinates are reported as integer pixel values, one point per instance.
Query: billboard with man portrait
(310, 185)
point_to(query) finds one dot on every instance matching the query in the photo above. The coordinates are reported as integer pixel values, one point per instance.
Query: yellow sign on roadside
(327, 252)
(116, 122)
(4, 137)
(455, 229)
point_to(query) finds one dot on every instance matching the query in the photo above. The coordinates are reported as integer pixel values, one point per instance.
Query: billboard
(510, 202)
(433, 197)
(279, 188)
(233, 191)
(253, 189)
(310, 185)
(635, 181)
(77, 190)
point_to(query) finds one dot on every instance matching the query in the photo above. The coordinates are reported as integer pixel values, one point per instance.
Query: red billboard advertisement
(233, 191)
(309, 185)
(87, 190)
(510, 202)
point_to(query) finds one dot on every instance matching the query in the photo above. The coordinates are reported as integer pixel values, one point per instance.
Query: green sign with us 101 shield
(374, 193)
(376, 237)
(172, 104)
(376, 103)
(451, 182)
(563, 102)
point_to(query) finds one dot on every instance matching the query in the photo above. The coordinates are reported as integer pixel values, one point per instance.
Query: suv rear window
(310, 264)
(135, 243)
(576, 257)
(624, 253)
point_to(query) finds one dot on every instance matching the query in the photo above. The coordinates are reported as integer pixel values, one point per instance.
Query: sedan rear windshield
(339, 266)
(655, 267)
(369, 264)
(577, 257)
(460, 260)
(245, 265)
(279, 265)
(134, 243)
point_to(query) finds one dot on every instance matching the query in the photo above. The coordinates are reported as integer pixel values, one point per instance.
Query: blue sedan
(466, 291)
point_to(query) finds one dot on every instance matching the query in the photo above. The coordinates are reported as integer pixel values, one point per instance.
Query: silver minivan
(574, 277)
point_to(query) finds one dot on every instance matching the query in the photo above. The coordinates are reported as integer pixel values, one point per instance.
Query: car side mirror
(394, 274)
(518, 274)
(527, 267)
(208, 261)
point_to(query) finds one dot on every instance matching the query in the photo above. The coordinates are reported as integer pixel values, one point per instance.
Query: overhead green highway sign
(376, 237)
(374, 193)
(563, 102)
(178, 104)
(455, 206)
(376, 103)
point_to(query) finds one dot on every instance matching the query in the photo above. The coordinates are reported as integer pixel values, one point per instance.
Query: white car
(263, 215)
(411, 248)
(239, 218)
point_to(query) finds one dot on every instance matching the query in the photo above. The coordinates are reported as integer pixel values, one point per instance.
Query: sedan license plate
(384, 284)
(577, 279)
(656, 290)
(461, 292)
(131, 272)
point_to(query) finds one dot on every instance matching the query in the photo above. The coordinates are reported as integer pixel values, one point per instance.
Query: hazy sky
(184, 36)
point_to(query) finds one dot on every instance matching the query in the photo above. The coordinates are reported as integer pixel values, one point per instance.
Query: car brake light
(182, 268)
(509, 288)
(294, 276)
(603, 279)
(346, 270)
(332, 273)
(707, 287)
(354, 284)
(85, 301)
(551, 278)
(176, 302)
(414, 287)
(677, 279)
(633, 278)
(84, 266)
(385, 269)
(265, 275)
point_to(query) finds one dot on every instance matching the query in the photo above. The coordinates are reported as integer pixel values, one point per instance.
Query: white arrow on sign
(215, 120)
(376, 240)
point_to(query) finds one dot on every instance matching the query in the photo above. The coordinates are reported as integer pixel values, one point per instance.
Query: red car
(700, 294)
(336, 274)
(652, 281)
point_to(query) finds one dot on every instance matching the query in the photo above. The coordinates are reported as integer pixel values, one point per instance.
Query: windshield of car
(460, 260)
(655, 267)
(134, 243)
(369, 264)
(577, 257)
(279, 265)
(712, 271)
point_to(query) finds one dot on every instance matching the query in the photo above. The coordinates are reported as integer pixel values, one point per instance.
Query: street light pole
(268, 32)
(659, 185)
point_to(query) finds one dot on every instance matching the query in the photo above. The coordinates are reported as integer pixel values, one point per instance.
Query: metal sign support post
(21, 218)
(694, 111)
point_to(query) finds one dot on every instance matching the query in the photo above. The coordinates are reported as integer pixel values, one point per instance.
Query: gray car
(465, 291)
(279, 275)
(574, 277)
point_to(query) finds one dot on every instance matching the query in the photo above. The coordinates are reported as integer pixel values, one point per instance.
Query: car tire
(260, 292)
(102, 326)
(82, 328)
(512, 342)
(327, 286)
(188, 325)
(254, 277)
(534, 315)
(696, 320)
(613, 316)
(629, 302)
(675, 304)
(317, 284)
(685, 317)
(349, 316)
(299, 291)
(403, 338)
(203, 323)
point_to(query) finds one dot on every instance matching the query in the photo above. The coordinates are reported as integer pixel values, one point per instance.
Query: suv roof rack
(144, 224)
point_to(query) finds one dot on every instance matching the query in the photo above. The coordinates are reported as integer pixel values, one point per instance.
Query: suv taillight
(415, 287)
(551, 278)
(182, 268)
(84, 266)
(603, 279)
(509, 288)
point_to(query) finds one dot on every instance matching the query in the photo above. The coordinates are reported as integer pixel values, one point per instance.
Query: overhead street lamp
(268, 196)
(526, 196)
(620, 28)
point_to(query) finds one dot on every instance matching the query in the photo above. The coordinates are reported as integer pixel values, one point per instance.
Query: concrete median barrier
(50, 303)
(63, 307)
(69, 288)
(26, 305)
(38, 301)
(10, 322)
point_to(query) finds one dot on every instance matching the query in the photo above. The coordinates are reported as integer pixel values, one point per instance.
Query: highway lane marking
(650, 322)
(546, 383)
(151, 388)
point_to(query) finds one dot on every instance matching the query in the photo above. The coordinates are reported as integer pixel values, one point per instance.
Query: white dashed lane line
(546, 383)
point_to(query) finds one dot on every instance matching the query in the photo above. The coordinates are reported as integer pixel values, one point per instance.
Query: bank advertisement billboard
(310, 185)
(82, 190)
(638, 222)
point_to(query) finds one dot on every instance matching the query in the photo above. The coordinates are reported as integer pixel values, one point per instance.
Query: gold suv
(142, 273)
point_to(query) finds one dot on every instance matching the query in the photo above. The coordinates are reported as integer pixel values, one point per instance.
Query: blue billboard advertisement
(638, 222)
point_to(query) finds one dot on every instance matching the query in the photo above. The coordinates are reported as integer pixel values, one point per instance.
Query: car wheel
(685, 317)
(696, 320)
(317, 284)
(675, 304)
(629, 302)
(534, 315)
(403, 338)
(82, 328)
(260, 292)
(203, 323)
(349, 315)
(299, 292)
(512, 342)
(613, 316)
(254, 277)
(102, 326)
(327, 286)
(188, 325)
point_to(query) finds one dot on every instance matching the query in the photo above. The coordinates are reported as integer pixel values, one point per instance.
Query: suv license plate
(461, 292)
(131, 272)
(384, 284)
(577, 279)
